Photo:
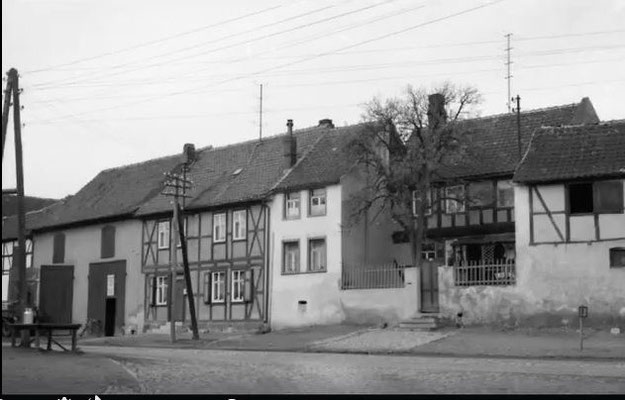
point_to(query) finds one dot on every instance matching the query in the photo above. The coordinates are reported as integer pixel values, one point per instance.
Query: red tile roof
(574, 152)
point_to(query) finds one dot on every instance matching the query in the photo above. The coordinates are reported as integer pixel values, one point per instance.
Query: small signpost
(582, 313)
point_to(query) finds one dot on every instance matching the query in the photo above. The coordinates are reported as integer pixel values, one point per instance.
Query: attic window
(237, 171)
(597, 197)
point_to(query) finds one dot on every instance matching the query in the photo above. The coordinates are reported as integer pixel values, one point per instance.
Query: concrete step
(420, 322)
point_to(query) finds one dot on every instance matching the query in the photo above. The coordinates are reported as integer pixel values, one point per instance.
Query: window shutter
(58, 252)
(249, 285)
(609, 196)
(107, 245)
(153, 291)
(207, 288)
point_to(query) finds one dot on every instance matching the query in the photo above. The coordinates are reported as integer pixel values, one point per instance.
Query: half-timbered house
(471, 222)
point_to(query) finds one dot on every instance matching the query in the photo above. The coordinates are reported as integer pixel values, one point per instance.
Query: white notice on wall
(110, 285)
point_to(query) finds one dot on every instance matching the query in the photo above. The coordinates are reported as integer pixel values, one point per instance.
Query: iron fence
(492, 272)
(384, 276)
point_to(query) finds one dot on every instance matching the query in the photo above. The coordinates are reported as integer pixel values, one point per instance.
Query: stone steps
(420, 322)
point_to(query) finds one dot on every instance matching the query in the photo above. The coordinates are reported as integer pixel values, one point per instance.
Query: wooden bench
(50, 330)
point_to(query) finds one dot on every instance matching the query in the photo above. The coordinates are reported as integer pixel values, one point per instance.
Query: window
(29, 253)
(480, 194)
(316, 255)
(163, 234)
(454, 206)
(428, 202)
(107, 242)
(218, 292)
(290, 262)
(239, 225)
(238, 285)
(7, 256)
(292, 205)
(58, 252)
(318, 202)
(160, 290)
(597, 197)
(219, 227)
(580, 198)
(609, 197)
(617, 257)
(505, 194)
(428, 252)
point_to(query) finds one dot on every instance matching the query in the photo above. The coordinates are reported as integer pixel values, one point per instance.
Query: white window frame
(221, 217)
(161, 289)
(292, 201)
(454, 206)
(239, 225)
(218, 287)
(237, 286)
(7, 256)
(164, 228)
(316, 254)
(292, 259)
(320, 196)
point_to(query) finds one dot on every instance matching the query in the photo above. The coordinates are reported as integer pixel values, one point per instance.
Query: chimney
(437, 116)
(289, 146)
(326, 123)
(188, 152)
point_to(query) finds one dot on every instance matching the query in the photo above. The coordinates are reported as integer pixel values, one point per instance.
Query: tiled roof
(33, 218)
(327, 161)
(236, 173)
(9, 204)
(574, 152)
(493, 140)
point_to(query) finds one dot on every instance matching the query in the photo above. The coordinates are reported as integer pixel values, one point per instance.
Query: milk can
(28, 316)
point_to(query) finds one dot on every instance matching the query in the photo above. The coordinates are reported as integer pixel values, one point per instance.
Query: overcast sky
(110, 83)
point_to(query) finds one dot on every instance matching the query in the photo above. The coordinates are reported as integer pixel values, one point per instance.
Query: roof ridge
(534, 110)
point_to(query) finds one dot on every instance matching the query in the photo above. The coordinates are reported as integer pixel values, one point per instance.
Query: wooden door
(56, 293)
(429, 286)
(180, 299)
(107, 281)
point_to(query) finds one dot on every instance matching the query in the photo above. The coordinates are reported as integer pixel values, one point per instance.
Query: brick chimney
(188, 152)
(437, 116)
(326, 123)
(289, 146)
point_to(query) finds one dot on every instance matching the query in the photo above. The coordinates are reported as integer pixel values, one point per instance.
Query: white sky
(109, 83)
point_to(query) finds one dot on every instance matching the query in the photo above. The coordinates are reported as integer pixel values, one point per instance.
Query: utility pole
(260, 125)
(5, 111)
(518, 123)
(179, 184)
(508, 76)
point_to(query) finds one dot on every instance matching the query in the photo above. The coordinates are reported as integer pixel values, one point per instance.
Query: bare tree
(411, 139)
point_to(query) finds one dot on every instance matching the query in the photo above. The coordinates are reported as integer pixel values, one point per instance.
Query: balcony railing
(491, 272)
(385, 276)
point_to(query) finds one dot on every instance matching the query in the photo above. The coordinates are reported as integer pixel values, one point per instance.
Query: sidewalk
(467, 342)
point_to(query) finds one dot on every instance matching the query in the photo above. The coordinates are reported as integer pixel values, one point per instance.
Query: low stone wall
(374, 306)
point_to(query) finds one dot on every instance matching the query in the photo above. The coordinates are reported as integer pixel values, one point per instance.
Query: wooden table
(50, 330)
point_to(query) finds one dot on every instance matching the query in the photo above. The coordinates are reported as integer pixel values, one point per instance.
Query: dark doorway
(429, 286)
(109, 318)
(107, 293)
(180, 299)
(56, 293)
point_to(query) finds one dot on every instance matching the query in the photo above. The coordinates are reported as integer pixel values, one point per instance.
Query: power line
(152, 42)
(385, 36)
(240, 43)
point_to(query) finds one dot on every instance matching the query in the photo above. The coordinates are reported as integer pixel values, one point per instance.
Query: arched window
(107, 244)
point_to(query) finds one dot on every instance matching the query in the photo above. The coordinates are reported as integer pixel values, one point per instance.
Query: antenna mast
(260, 125)
(508, 76)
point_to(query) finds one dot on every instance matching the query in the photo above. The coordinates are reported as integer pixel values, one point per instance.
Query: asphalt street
(239, 372)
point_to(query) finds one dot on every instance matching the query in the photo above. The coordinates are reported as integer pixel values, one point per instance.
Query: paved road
(237, 372)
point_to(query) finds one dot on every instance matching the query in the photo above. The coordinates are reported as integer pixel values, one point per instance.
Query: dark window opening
(107, 244)
(581, 198)
(58, 251)
(617, 257)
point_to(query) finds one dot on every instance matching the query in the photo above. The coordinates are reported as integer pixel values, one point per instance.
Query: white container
(28, 316)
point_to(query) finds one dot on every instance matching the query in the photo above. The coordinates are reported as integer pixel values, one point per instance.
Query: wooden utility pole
(509, 75)
(5, 110)
(179, 184)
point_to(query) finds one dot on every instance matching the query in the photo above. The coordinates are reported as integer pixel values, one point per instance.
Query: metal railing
(491, 272)
(385, 276)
